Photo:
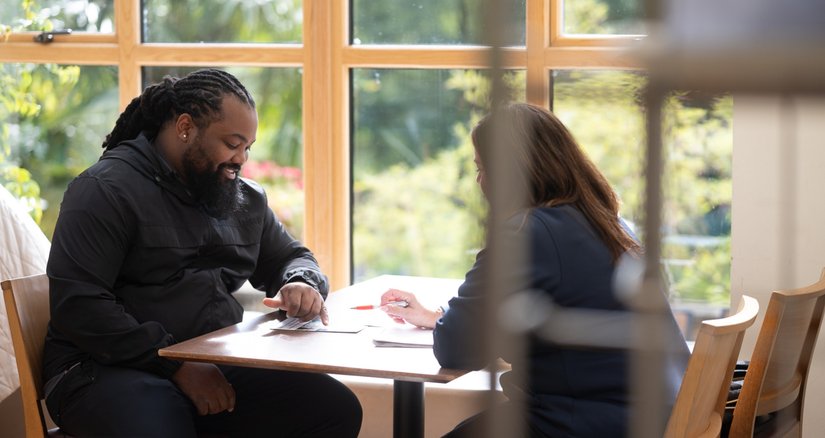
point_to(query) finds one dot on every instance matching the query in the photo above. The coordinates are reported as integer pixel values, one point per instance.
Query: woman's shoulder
(546, 217)
(563, 223)
(540, 226)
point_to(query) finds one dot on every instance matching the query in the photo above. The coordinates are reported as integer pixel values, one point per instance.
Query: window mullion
(538, 29)
(127, 30)
(326, 179)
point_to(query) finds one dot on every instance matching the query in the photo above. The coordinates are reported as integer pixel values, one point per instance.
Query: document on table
(406, 336)
(314, 325)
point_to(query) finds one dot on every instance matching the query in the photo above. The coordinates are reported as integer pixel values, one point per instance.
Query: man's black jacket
(137, 264)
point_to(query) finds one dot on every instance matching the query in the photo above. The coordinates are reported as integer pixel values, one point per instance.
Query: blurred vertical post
(649, 410)
(495, 19)
(788, 171)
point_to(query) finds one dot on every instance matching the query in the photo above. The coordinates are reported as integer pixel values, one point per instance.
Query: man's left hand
(299, 300)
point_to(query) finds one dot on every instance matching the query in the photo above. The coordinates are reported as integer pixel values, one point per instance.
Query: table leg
(408, 409)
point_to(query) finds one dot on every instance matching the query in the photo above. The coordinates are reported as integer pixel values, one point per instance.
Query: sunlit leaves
(431, 22)
(585, 16)
(54, 119)
(475, 85)
(421, 220)
(236, 21)
(603, 17)
(20, 184)
(604, 111)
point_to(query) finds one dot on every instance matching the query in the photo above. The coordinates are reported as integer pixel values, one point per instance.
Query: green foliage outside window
(419, 211)
(416, 207)
(603, 17)
(47, 15)
(221, 21)
(35, 103)
(431, 22)
(14, 100)
(604, 112)
(54, 119)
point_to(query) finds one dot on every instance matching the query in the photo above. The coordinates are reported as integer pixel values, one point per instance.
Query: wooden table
(253, 343)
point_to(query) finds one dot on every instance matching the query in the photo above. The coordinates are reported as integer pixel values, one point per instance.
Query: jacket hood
(141, 155)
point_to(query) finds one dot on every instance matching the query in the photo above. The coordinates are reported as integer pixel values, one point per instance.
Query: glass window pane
(78, 15)
(222, 21)
(603, 110)
(416, 207)
(275, 160)
(603, 17)
(429, 22)
(53, 119)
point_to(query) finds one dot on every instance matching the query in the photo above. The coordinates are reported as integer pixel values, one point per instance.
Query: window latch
(47, 37)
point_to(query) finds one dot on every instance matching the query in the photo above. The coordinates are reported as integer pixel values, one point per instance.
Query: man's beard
(220, 196)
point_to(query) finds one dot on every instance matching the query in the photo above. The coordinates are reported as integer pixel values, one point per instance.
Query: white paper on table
(315, 325)
(370, 318)
(406, 336)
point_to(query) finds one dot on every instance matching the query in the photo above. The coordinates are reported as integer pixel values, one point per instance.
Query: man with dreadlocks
(150, 244)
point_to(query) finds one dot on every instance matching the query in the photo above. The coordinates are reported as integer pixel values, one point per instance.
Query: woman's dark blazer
(572, 390)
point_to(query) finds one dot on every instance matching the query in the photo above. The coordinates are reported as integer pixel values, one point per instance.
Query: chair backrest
(701, 401)
(778, 369)
(27, 305)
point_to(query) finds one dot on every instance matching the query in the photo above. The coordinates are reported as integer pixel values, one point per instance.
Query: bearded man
(150, 244)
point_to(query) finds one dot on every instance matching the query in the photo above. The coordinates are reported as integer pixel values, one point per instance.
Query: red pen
(370, 306)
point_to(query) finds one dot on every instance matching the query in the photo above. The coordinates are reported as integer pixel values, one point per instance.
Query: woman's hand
(414, 313)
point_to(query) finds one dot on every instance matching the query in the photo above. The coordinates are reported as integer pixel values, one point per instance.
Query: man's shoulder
(112, 176)
(253, 187)
(111, 166)
(253, 190)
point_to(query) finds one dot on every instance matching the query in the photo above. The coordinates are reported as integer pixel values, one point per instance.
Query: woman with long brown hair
(564, 216)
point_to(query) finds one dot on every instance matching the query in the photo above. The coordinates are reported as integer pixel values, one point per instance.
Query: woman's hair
(547, 169)
(198, 94)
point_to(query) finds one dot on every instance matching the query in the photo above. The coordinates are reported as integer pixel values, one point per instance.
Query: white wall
(778, 213)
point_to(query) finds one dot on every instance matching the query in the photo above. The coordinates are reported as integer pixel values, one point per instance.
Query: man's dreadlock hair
(198, 94)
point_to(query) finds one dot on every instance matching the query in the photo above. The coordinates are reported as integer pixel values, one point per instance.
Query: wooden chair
(778, 369)
(701, 401)
(27, 304)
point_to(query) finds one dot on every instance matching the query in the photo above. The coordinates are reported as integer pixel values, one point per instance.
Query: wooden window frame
(327, 58)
